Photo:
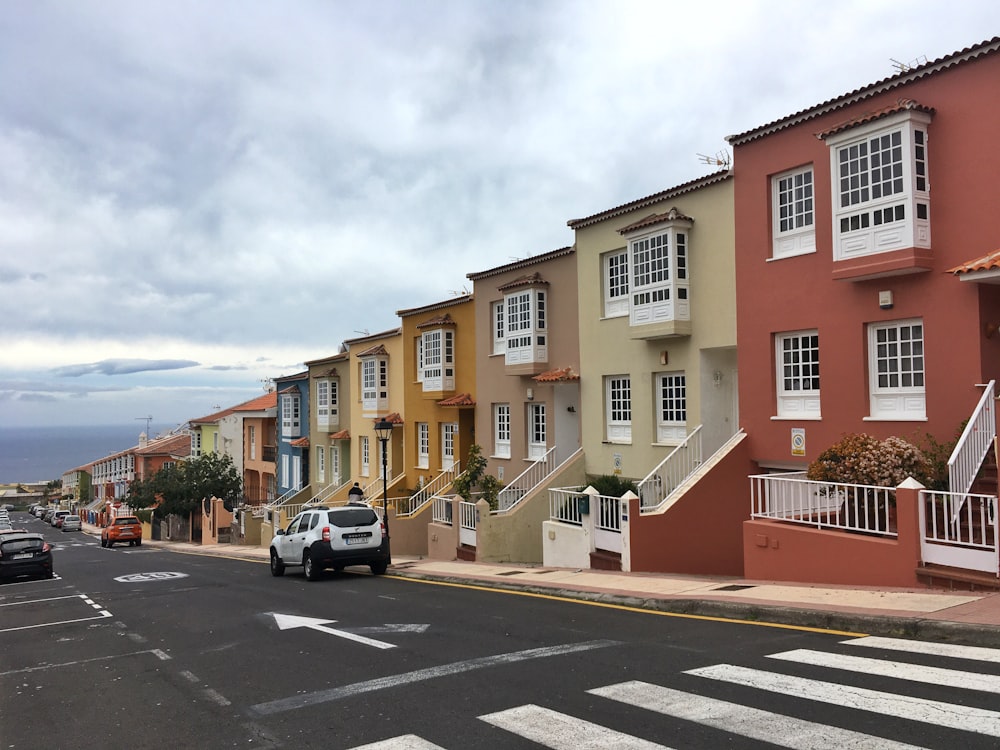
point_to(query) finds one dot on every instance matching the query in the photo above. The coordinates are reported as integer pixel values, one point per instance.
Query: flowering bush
(863, 459)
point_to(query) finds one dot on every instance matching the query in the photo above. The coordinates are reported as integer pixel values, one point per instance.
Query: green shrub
(862, 459)
(611, 485)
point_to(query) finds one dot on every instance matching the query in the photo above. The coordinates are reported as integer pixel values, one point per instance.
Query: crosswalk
(890, 661)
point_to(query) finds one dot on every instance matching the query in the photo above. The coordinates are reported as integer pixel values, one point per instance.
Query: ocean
(41, 454)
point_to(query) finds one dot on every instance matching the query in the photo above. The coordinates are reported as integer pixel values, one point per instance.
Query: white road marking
(987, 683)
(43, 667)
(216, 697)
(561, 732)
(420, 675)
(100, 616)
(775, 729)
(286, 622)
(938, 713)
(977, 653)
(403, 742)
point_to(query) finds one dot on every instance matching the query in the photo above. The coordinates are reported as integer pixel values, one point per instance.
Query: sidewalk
(959, 617)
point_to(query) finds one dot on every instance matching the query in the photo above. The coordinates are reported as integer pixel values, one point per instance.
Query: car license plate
(355, 540)
(23, 555)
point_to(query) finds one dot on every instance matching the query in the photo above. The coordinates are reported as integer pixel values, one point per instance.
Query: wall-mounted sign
(798, 441)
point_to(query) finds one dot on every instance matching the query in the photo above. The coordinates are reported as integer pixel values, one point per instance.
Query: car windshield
(353, 517)
(125, 521)
(71, 518)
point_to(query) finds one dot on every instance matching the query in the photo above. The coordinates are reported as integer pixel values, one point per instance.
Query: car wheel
(277, 567)
(138, 542)
(312, 571)
(378, 568)
(110, 544)
(103, 542)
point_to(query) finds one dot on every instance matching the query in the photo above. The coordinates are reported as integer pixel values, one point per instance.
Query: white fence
(974, 444)
(675, 468)
(565, 507)
(825, 505)
(441, 510)
(960, 530)
(530, 478)
(407, 506)
(467, 523)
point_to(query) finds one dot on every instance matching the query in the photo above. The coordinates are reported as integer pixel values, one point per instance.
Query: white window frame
(615, 276)
(897, 370)
(537, 430)
(449, 431)
(423, 445)
(419, 344)
(618, 408)
(335, 464)
(796, 374)
(525, 326)
(867, 220)
(334, 419)
(793, 221)
(498, 325)
(323, 404)
(286, 474)
(501, 430)
(297, 471)
(671, 407)
(291, 415)
(438, 359)
(659, 281)
(374, 384)
(321, 464)
(365, 456)
(252, 440)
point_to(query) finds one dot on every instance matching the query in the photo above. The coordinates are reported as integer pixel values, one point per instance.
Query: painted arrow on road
(286, 622)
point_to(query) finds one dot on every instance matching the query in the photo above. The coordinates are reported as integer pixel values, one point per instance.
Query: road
(143, 648)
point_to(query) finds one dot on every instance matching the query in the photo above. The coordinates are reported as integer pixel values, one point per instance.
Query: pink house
(867, 264)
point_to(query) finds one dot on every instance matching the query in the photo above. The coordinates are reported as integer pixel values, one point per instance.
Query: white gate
(959, 530)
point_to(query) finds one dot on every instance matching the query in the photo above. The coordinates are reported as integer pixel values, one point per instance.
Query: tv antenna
(721, 159)
(906, 67)
(147, 420)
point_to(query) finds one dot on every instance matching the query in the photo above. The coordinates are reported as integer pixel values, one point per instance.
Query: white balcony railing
(826, 505)
(974, 444)
(530, 478)
(679, 464)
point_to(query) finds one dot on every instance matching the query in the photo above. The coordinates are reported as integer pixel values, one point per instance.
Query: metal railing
(974, 444)
(528, 479)
(680, 463)
(960, 530)
(564, 506)
(609, 513)
(825, 505)
(441, 510)
(467, 523)
(408, 506)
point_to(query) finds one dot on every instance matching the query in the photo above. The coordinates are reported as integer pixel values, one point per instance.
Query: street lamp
(383, 431)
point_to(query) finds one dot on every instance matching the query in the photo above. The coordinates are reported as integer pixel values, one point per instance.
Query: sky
(197, 197)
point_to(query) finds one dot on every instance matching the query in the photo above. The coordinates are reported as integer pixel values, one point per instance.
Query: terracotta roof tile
(462, 399)
(672, 215)
(375, 351)
(524, 263)
(533, 279)
(460, 299)
(302, 442)
(342, 435)
(562, 375)
(267, 401)
(394, 418)
(989, 262)
(173, 445)
(988, 47)
(900, 105)
(437, 321)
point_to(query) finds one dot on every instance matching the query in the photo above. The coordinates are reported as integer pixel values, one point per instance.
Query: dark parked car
(22, 554)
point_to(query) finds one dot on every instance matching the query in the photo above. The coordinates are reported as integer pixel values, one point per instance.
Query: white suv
(322, 537)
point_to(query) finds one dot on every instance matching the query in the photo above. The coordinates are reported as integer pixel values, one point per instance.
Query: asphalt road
(143, 647)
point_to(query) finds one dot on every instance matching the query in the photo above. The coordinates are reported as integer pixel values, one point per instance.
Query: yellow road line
(626, 608)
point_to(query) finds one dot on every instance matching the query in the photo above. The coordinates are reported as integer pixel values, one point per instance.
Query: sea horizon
(30, 455)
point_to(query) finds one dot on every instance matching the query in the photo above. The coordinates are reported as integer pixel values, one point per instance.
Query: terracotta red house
(867, 272)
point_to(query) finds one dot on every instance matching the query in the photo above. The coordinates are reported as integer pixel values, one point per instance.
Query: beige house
(658, 304)
(329, 425)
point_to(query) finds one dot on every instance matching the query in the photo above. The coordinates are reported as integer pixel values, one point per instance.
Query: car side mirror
(280, 532)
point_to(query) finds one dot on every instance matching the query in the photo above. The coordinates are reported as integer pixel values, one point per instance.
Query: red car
(122, 529)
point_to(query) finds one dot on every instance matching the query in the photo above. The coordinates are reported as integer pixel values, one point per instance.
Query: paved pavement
(955, 616)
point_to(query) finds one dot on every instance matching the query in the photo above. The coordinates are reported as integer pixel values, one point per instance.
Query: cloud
(123, 367)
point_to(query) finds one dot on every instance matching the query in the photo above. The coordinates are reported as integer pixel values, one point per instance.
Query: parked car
(57, 518)
(122, 529)
(321, 537)
(25, 554)
(49, 512)
(71, 523)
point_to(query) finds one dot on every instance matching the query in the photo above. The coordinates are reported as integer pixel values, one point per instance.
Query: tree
(179, 488)
(475, 476)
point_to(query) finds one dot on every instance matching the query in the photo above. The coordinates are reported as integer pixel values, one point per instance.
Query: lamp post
(383, 431)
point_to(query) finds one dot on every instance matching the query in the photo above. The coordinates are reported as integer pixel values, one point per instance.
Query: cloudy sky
(195, 197)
